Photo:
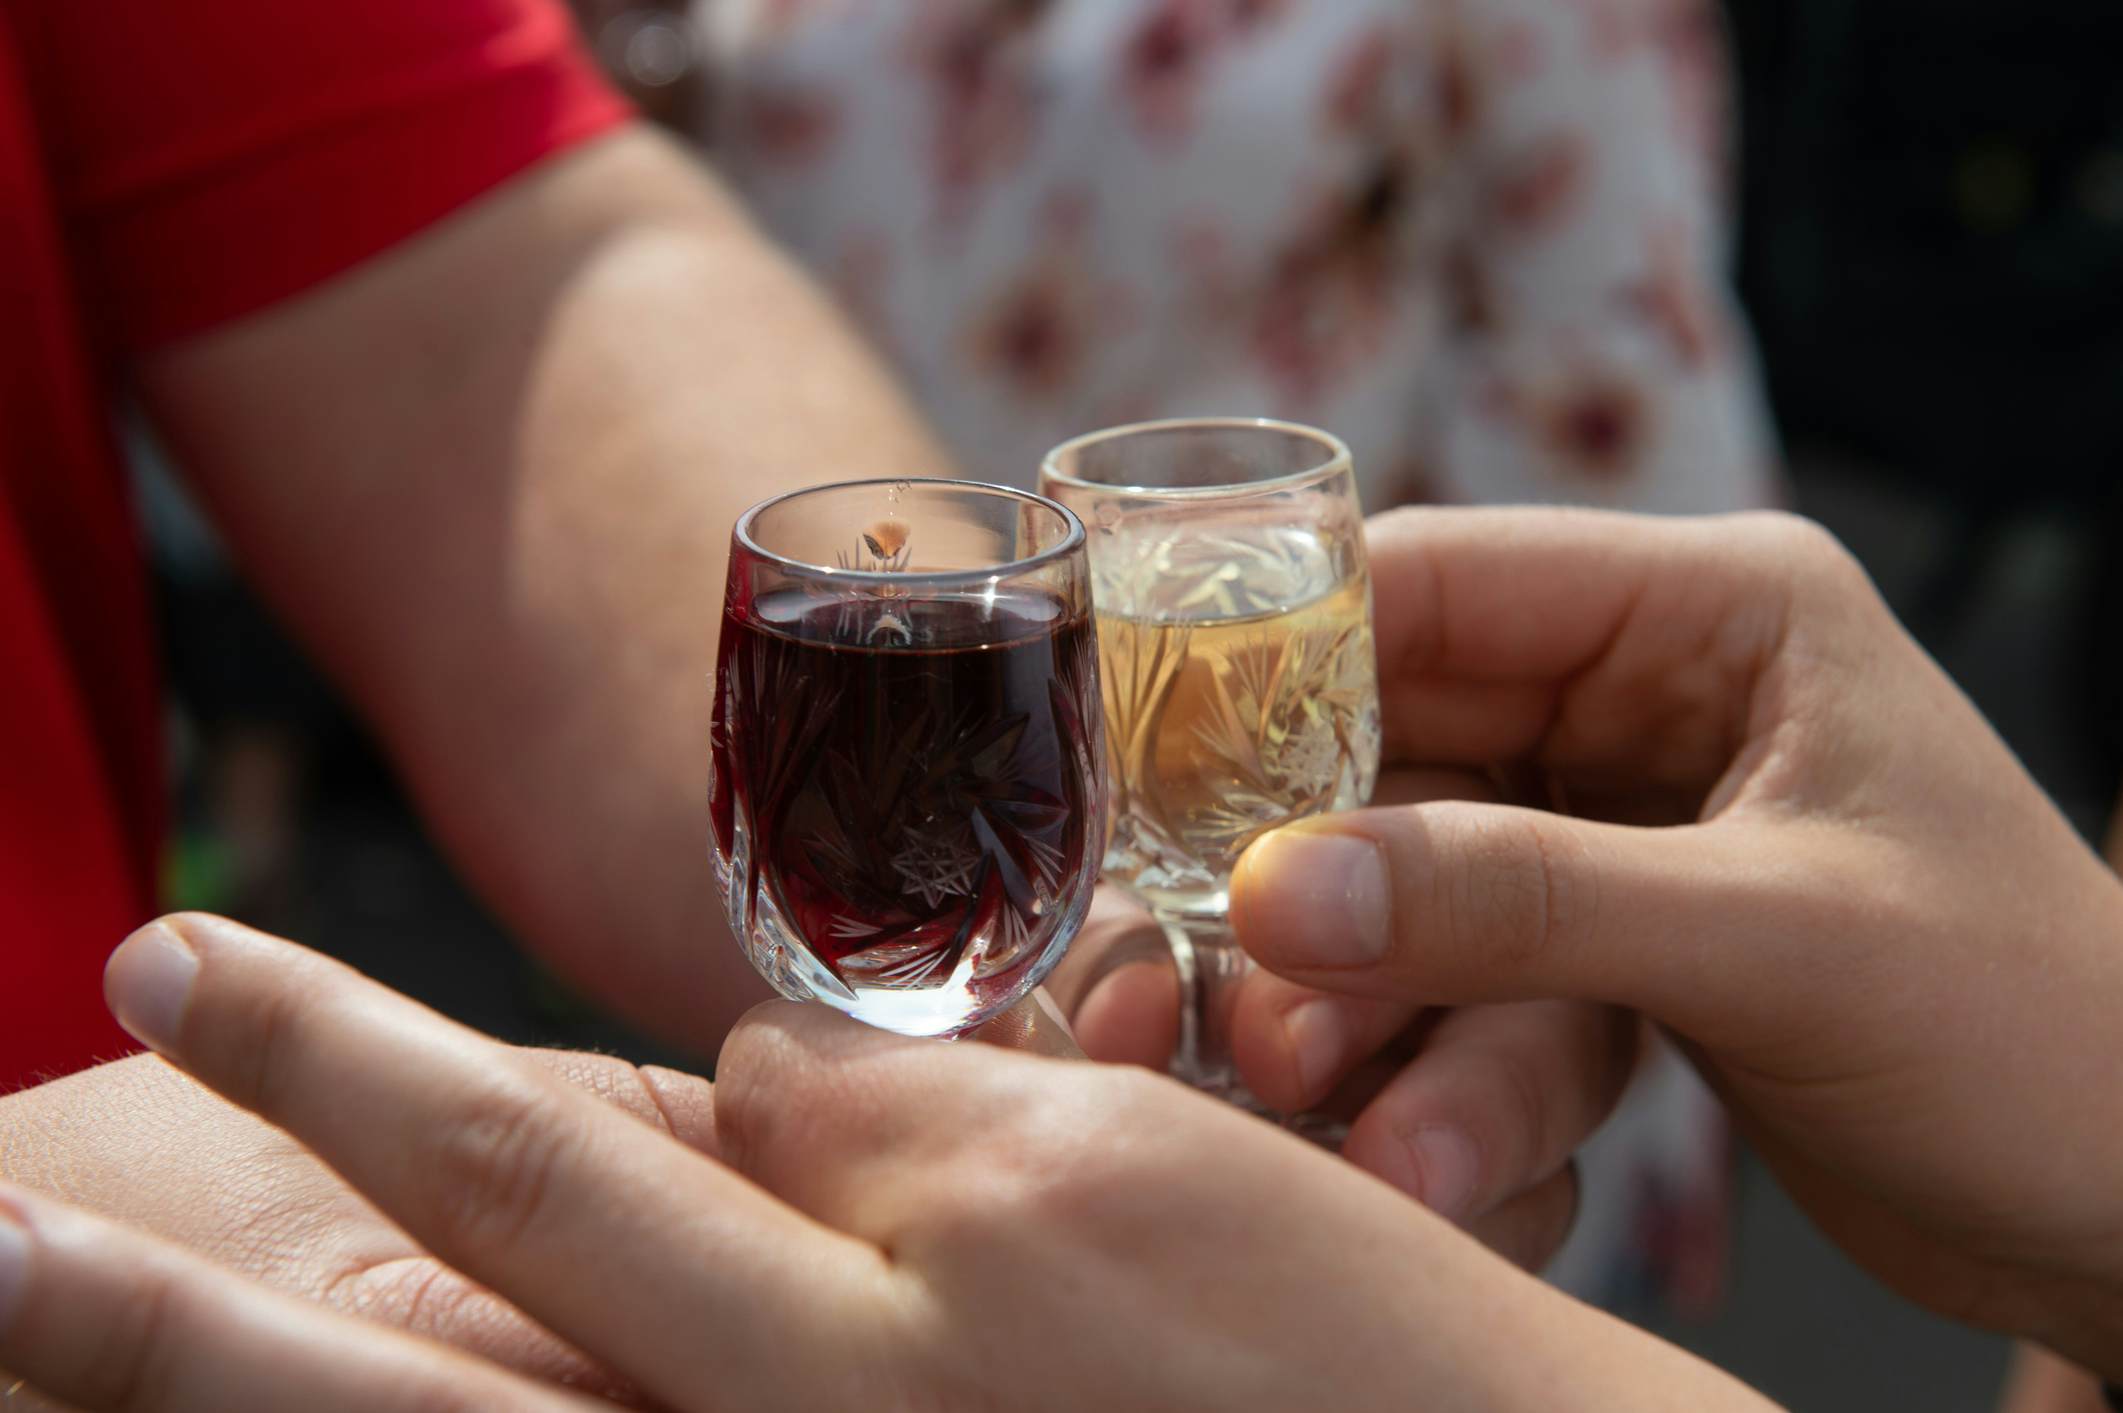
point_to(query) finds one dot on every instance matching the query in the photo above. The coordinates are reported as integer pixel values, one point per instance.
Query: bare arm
(2040, 1382)
(490, 479)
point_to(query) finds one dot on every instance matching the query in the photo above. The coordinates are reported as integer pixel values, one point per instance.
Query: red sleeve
(215, 156)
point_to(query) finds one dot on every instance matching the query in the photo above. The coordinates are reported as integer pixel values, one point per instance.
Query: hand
(140, 1143)
(1475, 1112)
(1790, 840)
(895, 1222)
(245, 1196)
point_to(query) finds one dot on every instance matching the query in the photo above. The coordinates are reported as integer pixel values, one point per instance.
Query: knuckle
(608, 1077)
(1084, 1185)
(1525, 893)
(1522, 1111)
(794, 1090)
(1787, 531)
(1804, 544)
(490, 1172)
(1135, 1100)
(1394, 521)
(739, 1116)
(270, 1079)
(753, 1111)
(1039, 1172)
(756, 1124)
(418, 1294)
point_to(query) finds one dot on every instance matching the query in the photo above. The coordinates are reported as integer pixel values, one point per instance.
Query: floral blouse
(1479, 239)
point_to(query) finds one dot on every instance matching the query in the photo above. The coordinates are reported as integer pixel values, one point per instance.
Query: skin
(522, 437)
(266, 1209)
(2040, 1382)
(262, 1207)
(1791, 842)
(1512, 1089)
(847, 1250)
(522, 440)
(1824, 938)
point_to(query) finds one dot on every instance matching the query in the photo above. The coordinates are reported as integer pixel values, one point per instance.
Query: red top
(166, 166)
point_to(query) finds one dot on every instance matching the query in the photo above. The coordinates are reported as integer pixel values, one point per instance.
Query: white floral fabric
(1481, 240)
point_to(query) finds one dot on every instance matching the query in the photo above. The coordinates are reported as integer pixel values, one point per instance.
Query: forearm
(1579, 1358)
(2042, 1383)
(521, 444)
(2078, 1316)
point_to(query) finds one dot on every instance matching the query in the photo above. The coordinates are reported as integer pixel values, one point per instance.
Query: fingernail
(1314, 899)
(148, 982)
(14, 1263)
(1314, 1031)
(1447, 1168)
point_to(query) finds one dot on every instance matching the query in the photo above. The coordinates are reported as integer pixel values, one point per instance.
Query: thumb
(1452, 903)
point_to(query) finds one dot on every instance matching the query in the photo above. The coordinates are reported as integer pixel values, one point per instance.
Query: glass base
(993, 971)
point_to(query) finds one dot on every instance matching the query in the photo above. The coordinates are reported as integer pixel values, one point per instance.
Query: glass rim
(1072, 541)
(1339, 458)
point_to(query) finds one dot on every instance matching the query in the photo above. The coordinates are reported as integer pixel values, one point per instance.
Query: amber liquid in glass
(1241, 693)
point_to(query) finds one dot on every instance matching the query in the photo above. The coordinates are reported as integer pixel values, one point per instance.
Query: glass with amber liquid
(1233, 605)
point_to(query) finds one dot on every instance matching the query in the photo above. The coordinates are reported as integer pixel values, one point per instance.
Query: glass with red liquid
(909, 759)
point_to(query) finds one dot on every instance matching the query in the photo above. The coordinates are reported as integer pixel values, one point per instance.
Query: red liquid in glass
(917, 779)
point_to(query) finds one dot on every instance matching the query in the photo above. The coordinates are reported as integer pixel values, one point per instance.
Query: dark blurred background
(1933, 259)
(1932, 255)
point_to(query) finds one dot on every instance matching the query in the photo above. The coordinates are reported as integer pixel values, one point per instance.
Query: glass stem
(1210, 965)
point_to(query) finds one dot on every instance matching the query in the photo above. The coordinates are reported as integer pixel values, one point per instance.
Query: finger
(1495, 1103)
(1531, 1228)
(1455, 903)
(1494, 595)
(1121, 991)
(422, 1296)
(1295, 1045)
(686, 1104)
(682, 1105)
(1116, 928)
(1131, 1016)
(1500, 631)
(1118, 987)
(793, 1082)
(100, 1317)
(1427, 717)
(269, 1211)
(667, 1266)
(829, 1115)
